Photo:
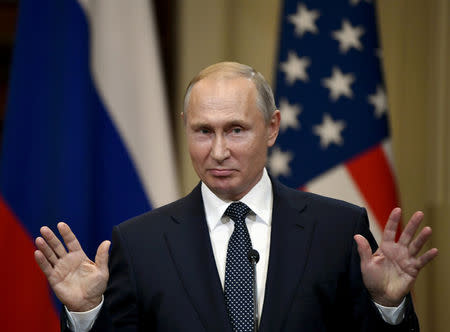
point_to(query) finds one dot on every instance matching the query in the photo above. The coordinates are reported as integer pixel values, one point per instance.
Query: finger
(427, 257)
(43, 263)
(411, 228)
(53, 241)
(69, 238)
(390, 230)
(46, 251)
(364, 249)
(101, 258)
(417, 244)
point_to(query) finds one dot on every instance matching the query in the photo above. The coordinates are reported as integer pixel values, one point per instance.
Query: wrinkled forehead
(219, 89)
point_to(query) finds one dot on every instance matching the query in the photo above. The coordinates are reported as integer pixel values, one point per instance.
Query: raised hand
(77, 281)
(389, 273)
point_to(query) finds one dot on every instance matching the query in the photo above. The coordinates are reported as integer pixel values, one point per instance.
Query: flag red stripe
(26, 303)
(372, 174)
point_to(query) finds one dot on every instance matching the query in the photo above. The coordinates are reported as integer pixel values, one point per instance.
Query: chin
(231, 195)
(225, 192)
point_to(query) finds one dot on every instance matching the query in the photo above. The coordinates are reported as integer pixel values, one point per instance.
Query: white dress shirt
(259, 222)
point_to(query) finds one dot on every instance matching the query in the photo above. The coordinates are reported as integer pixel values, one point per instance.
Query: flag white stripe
(127, 71)
(338, 183)
(386, 146)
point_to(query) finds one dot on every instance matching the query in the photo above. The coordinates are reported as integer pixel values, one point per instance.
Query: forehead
(213, 94)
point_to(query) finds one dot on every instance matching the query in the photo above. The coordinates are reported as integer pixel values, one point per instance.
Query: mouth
(220, 172)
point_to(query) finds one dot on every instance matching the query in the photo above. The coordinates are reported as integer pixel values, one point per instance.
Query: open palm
(77, 281)
(390, 273)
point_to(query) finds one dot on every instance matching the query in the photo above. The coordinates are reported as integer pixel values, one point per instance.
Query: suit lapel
(190, 248)
(290, 241)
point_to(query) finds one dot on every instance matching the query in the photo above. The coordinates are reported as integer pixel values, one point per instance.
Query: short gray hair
(264, 98)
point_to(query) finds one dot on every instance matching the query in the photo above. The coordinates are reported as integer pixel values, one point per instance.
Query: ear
(273, 128)
(183, 118)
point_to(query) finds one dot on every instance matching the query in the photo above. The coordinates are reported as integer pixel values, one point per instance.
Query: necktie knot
(237, 211)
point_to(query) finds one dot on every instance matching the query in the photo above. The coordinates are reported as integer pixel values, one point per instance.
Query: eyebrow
(239, 123)
(200, 125)
(232, 123)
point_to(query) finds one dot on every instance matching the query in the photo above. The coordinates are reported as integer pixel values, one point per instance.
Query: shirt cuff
(82, 321)
(392, 315)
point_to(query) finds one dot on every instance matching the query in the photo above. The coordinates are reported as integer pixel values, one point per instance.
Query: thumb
(101, 258)
(364, 249)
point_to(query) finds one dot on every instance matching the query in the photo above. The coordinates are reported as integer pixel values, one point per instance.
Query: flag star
(379, 101)
(278, 162)
(304, 20)
(356, 2)
(339, 84)
(289, 115)
(329, 131)
(295, 68)
(348, 37)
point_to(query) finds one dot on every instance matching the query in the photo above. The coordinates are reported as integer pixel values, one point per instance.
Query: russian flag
(86, 138)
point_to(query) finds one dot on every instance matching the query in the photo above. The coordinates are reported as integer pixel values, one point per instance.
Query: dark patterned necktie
(238, 272)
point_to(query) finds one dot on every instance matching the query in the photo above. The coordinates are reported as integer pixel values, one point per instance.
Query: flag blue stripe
(62, 157)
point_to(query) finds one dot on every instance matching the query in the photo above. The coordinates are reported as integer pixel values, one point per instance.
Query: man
(183, 267)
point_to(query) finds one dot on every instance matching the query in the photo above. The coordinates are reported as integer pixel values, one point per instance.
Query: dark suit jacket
(163, 275)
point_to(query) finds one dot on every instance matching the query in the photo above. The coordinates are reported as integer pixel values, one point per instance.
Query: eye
(204, 131)
(236, 130)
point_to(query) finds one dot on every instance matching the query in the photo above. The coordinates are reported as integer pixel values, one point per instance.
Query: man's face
(227, 135)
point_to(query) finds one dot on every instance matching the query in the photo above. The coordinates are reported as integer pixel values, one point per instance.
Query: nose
(219, 149)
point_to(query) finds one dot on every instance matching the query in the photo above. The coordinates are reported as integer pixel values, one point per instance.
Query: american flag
(334, 137)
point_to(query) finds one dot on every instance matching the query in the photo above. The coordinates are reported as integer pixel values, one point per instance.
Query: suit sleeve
(363, 307)
(120, 309)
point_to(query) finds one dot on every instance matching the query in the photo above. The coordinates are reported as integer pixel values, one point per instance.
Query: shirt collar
(259, 199)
